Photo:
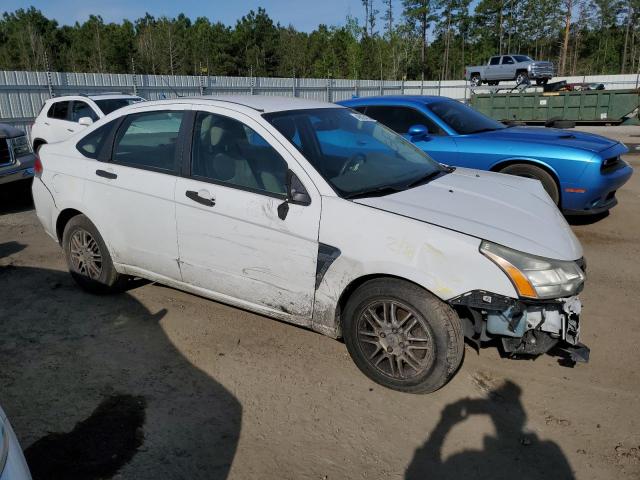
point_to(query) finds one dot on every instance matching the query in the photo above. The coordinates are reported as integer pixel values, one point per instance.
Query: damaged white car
(317, 215)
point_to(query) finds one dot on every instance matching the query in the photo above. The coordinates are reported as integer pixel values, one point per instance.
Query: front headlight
(533, 276)
(4, 445)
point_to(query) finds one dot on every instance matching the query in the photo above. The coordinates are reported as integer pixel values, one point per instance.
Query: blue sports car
(580, 171)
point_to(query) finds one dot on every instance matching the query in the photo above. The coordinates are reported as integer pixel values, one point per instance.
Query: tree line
(430, 39)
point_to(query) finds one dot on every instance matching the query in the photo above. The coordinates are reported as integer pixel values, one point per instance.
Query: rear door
(58, 123)
(492, 72)
(401, 118)
(131, 191)
(233, 242)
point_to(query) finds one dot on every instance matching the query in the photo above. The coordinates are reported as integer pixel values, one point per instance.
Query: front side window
(92, 143)
(462, 119)
(355, 154)
(494, 61)
(227, 151)
(148, 140)
(82, 109)
(59, 111)
(401, 119)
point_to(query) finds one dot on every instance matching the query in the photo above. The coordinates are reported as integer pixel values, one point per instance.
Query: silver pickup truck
(520, 68)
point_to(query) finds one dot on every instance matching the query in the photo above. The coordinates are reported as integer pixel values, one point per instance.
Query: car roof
(260, 103)
(394, 99)
(96, 96)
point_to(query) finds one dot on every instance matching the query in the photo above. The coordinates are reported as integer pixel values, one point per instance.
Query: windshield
(108, 105)
(355, 154)
(464, 120)
(522, 58)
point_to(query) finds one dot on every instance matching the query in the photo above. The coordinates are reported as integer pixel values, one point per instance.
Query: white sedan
(316, 215)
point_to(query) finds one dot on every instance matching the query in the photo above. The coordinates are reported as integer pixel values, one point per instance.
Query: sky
(304, 15)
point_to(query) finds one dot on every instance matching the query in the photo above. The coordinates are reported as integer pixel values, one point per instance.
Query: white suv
(316, 215)
(61, 117)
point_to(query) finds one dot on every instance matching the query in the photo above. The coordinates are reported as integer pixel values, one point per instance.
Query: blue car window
(401, 119)
(462, 119)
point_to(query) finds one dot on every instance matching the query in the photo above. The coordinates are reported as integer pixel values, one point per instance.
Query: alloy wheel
(395, 339)
(85, 255)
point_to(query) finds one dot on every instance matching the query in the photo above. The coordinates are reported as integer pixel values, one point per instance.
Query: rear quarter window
(91, 145)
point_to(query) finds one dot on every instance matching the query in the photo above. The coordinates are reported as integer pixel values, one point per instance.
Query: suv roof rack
(101, 93)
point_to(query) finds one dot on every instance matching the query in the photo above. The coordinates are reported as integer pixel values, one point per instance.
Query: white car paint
(242, 253)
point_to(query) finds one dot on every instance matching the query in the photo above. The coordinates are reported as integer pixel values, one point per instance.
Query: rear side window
(82, 109)
(148, 140)
(494, 61)
(507, 60)
(59, 110)
(91, 144)
(401, 119)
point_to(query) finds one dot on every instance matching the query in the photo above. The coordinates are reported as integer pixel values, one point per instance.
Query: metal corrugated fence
(23, 93)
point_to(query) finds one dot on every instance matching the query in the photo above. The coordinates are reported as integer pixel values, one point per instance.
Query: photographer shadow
(511, 453)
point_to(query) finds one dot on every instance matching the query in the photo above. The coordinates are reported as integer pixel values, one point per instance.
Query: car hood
(511, 211)
(552, 136)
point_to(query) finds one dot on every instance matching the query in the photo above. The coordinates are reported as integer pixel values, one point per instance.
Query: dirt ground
(230, 394)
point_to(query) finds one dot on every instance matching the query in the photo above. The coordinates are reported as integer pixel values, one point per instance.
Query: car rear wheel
(475, 80)
(402, 337)
(531, 171)
(88, 259)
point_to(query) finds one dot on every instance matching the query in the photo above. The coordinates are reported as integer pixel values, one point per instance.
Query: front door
(232, 241)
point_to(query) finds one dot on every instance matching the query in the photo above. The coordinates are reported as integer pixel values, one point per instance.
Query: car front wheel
(531, 171)
(87, 257)
(402, 337)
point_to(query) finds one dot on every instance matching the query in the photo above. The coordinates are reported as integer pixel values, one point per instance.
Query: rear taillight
(37, 166)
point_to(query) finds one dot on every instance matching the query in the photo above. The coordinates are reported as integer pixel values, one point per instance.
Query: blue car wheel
(531, 171)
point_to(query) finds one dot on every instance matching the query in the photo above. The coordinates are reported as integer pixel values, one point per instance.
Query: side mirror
(85, 121)
(297, 194)
(417, 132)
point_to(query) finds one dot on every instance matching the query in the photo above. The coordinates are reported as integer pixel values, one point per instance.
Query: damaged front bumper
(525, 327)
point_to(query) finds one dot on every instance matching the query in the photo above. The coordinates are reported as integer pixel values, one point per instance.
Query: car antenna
(171, 88)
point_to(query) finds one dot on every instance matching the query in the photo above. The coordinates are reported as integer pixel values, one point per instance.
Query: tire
(531, 171)
(81, 241)
(475, 80)
(522, 77)
(426, 335)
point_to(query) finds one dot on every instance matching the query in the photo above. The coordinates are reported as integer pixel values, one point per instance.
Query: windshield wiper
(428, 177)
(374, 192)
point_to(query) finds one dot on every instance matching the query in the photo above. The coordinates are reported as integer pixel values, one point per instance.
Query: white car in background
(12, 463)
(61, 117)
(317, 215)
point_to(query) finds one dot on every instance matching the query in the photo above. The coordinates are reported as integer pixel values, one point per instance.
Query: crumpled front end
(524, 327)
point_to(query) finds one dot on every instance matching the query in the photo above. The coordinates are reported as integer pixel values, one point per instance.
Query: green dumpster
(589, 106)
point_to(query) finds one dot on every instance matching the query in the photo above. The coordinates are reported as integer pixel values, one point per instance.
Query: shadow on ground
(74, 363)
(511, 453)
(15, 197)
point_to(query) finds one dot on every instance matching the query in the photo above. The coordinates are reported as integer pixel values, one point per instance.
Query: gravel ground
(230, 394)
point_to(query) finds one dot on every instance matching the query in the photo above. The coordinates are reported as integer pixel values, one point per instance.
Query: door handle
(200, 197)
(105, 174)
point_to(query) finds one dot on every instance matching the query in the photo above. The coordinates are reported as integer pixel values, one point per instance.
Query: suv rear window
(59, 110)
